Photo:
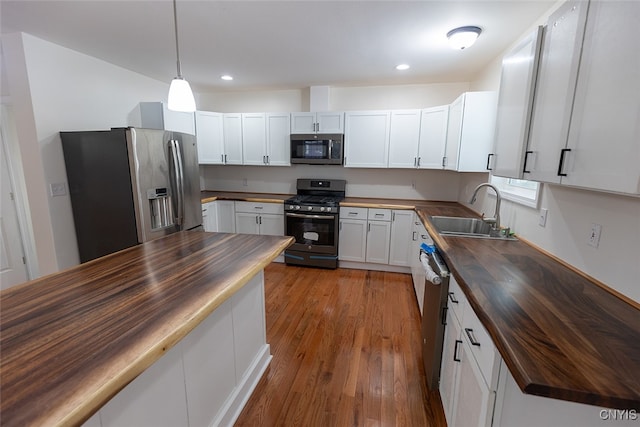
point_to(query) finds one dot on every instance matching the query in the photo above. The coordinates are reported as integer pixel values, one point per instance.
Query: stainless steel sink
(468, 227)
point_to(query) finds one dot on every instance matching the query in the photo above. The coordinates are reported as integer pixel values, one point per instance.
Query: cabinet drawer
(353, 213)
(253, 207)
(483, 349)
(456, 301)
(379, 214)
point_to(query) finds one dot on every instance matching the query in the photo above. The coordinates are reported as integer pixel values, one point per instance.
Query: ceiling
(280, 44)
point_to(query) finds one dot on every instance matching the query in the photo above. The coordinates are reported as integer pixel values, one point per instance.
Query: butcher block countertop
(561, 333)
(71, 340)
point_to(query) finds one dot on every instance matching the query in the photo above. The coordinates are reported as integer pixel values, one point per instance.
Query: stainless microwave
(317, 149)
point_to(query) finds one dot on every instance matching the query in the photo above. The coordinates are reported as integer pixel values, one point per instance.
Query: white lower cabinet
(377, 236)
(470, 367)
(207, 377)
(259, 218)
(219, 216)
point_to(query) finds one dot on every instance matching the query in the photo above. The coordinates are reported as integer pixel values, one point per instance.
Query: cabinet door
(378, 237)
(254, 139)
(433, 137)
(478, 130)
(209, 216)
(226, 215)
(352, 243)
(555, 89)
(278, 139)
(366, 135)
(232, 124)
(404, 137)
(604, 137)
(449, 366)
(210, 137)
(303, 122)
(272, 225)
(474, 400)
(330, 122)
(515, 103)
(401, 242)
(247, 223)
(454, 132)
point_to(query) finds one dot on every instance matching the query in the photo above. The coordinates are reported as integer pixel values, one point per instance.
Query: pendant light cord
(175, 24)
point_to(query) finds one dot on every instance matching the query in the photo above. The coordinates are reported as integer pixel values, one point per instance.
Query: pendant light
(180, 94)
(463, 37)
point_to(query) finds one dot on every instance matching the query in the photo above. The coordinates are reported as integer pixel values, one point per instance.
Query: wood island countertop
(562, 334)
(71, 340)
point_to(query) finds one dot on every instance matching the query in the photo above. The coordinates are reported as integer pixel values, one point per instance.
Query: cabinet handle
(414, 237)
(452, 298)
(264, 159)
(393, 216)
(267, 159)
(368, 227)
(561, 164)
(260, 222)
(415, 162)
(379, 214)
(455, 351)
(489, 161)
(225, 159)
(444, 316)
(472, 338)
(419, 161)
(257, 220)
(352, 213)
(222, 158)
(444, 162)
(526, 157)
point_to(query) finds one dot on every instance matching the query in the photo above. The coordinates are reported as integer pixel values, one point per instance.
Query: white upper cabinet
(321, 122)
(366, 139)
(515, 104)
(555, 90)
(433, 137)
(470, 131)
(209, 132)
(156, 115)
(584, 129)
(404, 138)
(254, 139)
(232, 125)
(278, 139)
(604, 136)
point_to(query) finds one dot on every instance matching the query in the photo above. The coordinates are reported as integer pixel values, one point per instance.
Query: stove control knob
(328, 209)
(309, 208)
(297, 207)
(322, 209)
(291, 207)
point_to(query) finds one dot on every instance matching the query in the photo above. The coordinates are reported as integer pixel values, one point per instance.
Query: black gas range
(312, 218)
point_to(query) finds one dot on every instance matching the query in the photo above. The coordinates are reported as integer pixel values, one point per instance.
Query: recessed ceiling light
(226, 77)
(403, 67)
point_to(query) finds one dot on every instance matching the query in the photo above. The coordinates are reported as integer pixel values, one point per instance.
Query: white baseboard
(243, 390)
(374, 267)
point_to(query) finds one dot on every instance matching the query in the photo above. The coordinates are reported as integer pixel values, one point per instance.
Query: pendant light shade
(180, 94)
(463, 37)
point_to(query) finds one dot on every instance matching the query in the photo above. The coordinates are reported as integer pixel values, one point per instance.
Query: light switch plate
(57, 189)
(542, 219)
(594, 235)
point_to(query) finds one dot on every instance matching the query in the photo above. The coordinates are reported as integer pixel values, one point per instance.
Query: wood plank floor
(346, 352)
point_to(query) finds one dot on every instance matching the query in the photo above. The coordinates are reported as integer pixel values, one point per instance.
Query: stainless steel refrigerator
(130, 185)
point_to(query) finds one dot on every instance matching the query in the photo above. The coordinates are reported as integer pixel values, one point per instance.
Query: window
(518, 190)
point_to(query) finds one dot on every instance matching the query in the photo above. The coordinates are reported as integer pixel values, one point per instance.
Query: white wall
(51, 89)
(387, 183)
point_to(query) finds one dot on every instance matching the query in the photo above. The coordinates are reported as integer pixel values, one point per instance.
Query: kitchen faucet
(495, 221)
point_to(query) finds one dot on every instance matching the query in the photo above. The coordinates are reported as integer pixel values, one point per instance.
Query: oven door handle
(295, 215)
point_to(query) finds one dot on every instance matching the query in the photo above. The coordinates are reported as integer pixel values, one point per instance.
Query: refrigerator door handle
(179, 180)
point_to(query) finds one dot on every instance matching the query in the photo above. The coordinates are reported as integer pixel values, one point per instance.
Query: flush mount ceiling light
(463, 37)
(226, 77)
(180, 94)
(403, 67)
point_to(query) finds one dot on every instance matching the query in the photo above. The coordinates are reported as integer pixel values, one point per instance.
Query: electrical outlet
(594, 235)
(57, 189)
(413, 184)
(542, 218)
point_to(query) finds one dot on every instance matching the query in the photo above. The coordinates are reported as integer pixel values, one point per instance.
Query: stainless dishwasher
(434, 313)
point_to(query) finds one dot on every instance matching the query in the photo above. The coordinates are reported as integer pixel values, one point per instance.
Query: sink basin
(466, 227)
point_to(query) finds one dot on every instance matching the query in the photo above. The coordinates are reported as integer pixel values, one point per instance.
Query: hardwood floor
(346, 352)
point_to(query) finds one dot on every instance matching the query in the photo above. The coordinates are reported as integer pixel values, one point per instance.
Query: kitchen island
(72, 340)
